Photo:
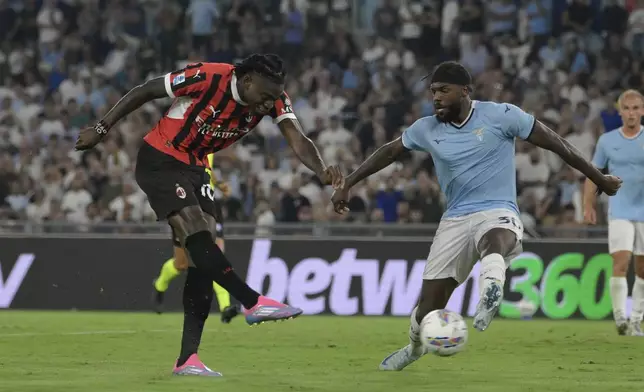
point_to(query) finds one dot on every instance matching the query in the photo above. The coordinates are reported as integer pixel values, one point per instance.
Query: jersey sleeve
(282, 109)
(189, 81)
(517, 123)
(412, 136)
(600, 159)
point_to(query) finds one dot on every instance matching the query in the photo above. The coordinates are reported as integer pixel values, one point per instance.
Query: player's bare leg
(494, 247)
(619, 289)
(637, 310)
(434, 295)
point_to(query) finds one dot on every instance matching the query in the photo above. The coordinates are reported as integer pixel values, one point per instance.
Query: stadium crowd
(64, 63)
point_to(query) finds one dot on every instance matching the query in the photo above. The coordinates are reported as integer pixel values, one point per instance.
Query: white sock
(618, 293)
(492, 267)
(414, 334)
(638, 300)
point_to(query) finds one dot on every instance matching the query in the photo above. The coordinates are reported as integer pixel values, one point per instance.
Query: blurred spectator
(355, 81)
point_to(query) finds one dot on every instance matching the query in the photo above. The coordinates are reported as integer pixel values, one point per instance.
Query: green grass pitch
(133, 352)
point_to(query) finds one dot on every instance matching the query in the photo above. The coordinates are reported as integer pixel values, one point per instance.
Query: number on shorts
(208, 191)
(509, 220)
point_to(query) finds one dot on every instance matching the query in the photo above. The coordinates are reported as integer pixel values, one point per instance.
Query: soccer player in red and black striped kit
(214, 106)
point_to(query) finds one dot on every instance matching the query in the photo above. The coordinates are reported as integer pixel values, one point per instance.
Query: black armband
(101, 128)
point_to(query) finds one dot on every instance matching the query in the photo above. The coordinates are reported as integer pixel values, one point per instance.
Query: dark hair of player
(269, 66)
(451, 72)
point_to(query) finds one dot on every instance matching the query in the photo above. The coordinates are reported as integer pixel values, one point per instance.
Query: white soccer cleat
(491, 297)
(400, 359)
(634, 329)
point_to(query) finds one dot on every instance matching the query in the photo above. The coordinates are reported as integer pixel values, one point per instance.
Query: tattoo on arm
(383, 157)
(544, 137)
(134, 99)
(303, 147)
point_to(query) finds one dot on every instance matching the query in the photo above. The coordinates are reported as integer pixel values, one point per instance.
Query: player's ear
(247, 80)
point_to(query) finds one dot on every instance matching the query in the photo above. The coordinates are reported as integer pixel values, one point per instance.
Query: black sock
(197, 299)
(210, 261)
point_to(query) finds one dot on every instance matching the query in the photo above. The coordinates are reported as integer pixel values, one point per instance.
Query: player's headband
(452, 75)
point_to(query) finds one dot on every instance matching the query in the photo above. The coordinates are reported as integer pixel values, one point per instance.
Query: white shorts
(626, 235)
(454, 250)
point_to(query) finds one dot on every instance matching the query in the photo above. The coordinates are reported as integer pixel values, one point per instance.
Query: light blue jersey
(623, 157)
(475, 160)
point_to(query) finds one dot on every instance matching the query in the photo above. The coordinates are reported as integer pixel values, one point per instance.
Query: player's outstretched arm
(544, 137)
(134, 99)
(308, 153)
(381, 158)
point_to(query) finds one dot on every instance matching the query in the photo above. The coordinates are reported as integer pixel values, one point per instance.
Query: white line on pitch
(115, 332)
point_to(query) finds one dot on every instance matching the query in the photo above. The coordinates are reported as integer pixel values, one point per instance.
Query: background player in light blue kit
(472, 145)
(621, 152)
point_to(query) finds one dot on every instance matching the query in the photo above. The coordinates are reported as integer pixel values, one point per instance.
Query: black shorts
(172, 185)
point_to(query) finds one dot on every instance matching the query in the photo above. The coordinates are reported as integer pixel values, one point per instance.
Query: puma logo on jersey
(214, 112)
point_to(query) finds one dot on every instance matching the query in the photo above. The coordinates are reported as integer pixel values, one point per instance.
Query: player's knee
(639, 266)
(188, 221)
(620, 263)
(501, 241)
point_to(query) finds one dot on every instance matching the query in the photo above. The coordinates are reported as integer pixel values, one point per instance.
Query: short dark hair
(269, 66)
(451, 72)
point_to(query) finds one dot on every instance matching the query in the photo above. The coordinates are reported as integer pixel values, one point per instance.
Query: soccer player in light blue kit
(621, 152)
(472, 145)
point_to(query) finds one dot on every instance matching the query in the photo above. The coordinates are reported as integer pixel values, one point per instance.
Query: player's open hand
(87, 138)
(333, 176)
(340, 200)
(609, 185)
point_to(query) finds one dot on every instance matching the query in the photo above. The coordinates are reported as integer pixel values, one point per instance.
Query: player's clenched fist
(88, 138)
(609, 184)
(340, 200)
(333, 176)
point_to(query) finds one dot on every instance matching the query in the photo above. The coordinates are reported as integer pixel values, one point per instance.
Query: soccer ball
(443, 332)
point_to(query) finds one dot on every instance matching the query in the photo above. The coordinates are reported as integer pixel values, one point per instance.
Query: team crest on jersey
(479, 133)
(287, 102)
(179, 79)
(181, 193)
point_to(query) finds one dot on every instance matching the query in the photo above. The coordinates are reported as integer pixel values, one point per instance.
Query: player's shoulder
(427, 122)
(495, 108)
(610, 136)
(217, 68)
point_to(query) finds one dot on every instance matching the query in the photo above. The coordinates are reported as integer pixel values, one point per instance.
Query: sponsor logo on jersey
(220, 132)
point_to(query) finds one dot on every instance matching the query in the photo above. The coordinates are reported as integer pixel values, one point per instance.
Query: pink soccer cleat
(267, 309)
(194, 367)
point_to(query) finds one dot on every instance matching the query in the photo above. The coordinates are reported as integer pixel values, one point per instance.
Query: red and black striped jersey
(207, 114)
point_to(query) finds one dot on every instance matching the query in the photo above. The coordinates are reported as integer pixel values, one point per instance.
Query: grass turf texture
(83, 351)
